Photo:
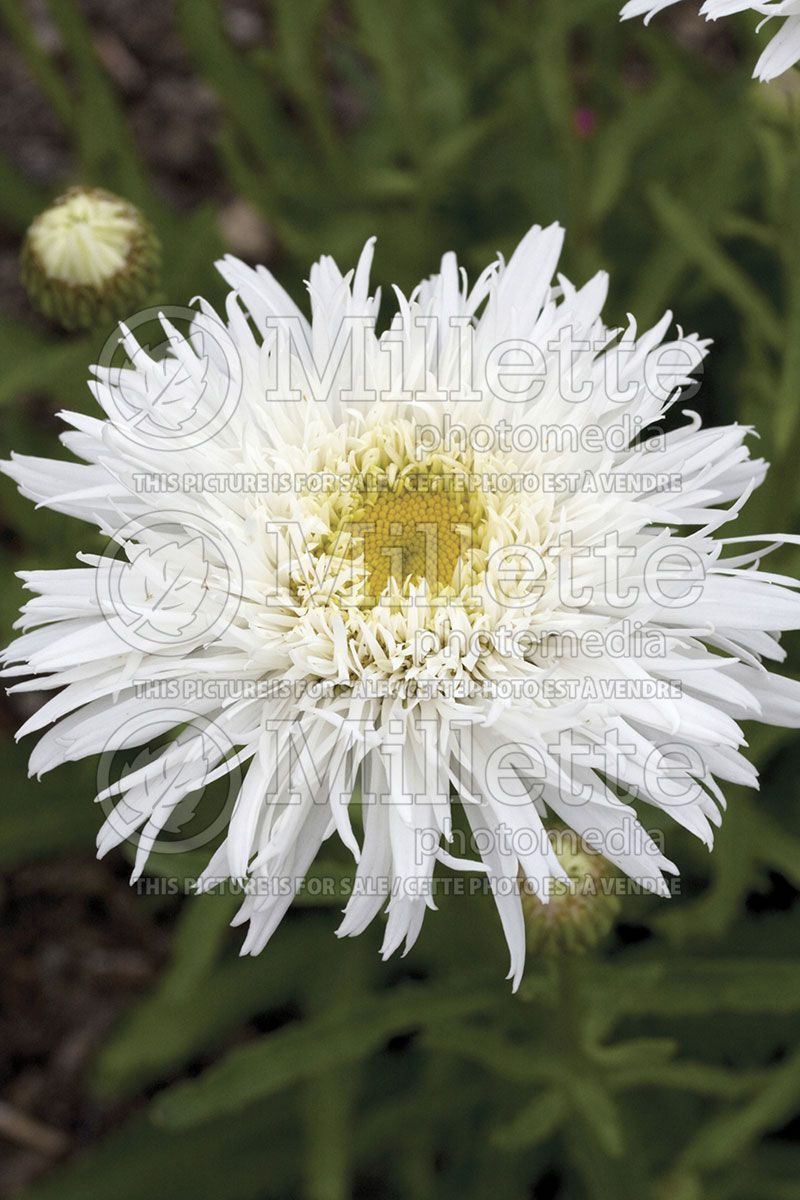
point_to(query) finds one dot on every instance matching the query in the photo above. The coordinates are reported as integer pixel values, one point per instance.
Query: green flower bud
(89, 259)
(579, 912)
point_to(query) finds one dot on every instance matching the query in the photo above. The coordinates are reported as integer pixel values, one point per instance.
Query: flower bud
(579, 912)
(89, 259)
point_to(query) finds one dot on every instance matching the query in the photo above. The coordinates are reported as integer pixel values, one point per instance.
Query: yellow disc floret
(415, 532)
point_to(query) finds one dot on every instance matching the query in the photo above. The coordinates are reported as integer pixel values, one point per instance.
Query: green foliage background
(668, 1063)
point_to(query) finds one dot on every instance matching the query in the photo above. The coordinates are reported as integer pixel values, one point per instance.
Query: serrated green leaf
(175, 1024)
(731, 1133)
(528, 1062)
(537, 1122)
(295, 1054)
(679, 986)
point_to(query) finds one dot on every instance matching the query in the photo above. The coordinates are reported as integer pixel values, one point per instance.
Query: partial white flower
(781, 53)
(402, 584)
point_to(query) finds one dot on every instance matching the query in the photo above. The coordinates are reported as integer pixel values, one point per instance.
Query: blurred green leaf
(730, 1134)
(240, 1159)
(42, 365)
(537, 1122)
(195, 1007)
(705, 251)
(294, 1054)
(39, 63)
(55, 815)
(20, 201)
(437, 125)
(108, 157)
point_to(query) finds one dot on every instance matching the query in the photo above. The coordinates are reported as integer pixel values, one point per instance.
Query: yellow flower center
(396, 531)
(417, 531)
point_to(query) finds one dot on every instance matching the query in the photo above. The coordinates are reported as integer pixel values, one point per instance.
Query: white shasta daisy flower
(431, 590)
(783, 50)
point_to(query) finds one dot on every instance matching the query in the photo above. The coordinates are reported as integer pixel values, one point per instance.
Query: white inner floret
(85, 240)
